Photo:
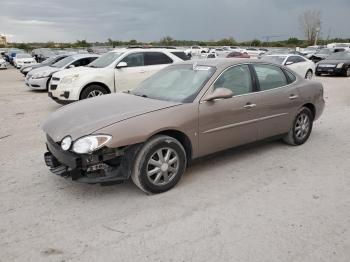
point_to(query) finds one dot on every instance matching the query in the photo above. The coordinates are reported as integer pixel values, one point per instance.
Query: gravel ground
(268, 202)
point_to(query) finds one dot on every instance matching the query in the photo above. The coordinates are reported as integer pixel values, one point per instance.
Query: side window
(135, 59)
(237, 79)
(59, 59)
(270, 77)
(300, 59)
(77, 63)
(156, 58)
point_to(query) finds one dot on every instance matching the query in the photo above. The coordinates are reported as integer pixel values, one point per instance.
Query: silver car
(39, 79)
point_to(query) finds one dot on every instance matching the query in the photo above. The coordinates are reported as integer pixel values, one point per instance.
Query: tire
(148, 160)
(90, 90)
(308, 74)
(301, 129)
(48, 83)
(347, 72)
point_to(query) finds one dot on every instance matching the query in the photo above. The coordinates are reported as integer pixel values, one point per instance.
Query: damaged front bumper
(103, 166)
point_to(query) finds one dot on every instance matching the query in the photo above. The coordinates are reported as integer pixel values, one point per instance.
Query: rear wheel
(309, 74)
(92, 91)
(347, 72)
(301, 129)
(159, 165)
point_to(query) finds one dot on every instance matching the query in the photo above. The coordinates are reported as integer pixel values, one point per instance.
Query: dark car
(335, 64)
(324, 53)
(48, 62)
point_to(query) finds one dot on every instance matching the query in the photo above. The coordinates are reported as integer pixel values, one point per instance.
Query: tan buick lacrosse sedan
(183, 112)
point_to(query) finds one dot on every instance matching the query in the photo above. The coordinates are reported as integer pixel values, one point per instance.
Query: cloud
(67, 20)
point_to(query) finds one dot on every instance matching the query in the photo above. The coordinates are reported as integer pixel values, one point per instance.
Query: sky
(150, 20)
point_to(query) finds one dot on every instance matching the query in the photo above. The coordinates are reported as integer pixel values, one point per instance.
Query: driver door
(129, 77)
(225, 123)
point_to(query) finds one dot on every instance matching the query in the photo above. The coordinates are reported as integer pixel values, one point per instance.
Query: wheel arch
(312, 109)
(181, 137)
(95, 83)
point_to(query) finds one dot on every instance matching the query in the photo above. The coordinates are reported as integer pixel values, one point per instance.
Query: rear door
(155, 61)
(278, 99)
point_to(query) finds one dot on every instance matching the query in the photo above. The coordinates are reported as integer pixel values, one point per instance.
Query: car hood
(78, 70)
(42, 69)
(87, 116)
(332, 62)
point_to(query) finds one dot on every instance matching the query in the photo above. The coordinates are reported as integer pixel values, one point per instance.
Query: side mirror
(122, 64)
(289, 63)
(71, 66)
(219, 93)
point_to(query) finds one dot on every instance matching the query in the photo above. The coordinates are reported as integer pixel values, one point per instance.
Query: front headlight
(41, 75)
(89, 144)
(69, 79)
(340, 65)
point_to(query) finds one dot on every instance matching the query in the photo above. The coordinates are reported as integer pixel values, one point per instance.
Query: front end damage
(106, 165)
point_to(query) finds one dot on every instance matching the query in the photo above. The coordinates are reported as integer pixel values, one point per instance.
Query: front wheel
(301, 129)
(92, 91)
(159, 165)
(347, 72)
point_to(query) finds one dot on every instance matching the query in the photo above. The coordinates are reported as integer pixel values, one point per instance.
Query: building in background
(3, 40)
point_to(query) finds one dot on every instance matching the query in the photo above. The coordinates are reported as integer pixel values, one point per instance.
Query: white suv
(114, 71)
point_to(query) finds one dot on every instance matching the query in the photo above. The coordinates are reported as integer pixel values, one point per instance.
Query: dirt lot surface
(268, 202)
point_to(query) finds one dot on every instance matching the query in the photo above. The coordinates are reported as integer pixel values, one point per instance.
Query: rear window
(291, 77)
(181, 55)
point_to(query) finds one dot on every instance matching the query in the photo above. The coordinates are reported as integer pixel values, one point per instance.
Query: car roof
(78, 56)
(146, 50)
(221, 62)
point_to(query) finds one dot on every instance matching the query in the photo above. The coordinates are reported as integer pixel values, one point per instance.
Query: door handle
(249, 106)
(292, 97)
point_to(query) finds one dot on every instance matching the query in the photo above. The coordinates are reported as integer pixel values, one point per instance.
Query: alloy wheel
(302, 126)
(162, 166)
(95, 93)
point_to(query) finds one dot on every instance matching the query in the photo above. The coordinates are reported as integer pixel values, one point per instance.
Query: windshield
(274, 59)
(177, 83)
(49, 60)
(23, 56)
(105, 60)
(339, 56)
(64, 62)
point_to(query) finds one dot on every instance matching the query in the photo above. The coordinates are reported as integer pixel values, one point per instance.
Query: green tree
(293, 41)
(167, 41)
(256, 42)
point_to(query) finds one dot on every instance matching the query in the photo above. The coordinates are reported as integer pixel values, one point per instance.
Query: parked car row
(167, 110)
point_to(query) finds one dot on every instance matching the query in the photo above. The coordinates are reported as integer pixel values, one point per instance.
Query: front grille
(55, 79)
(53, 87)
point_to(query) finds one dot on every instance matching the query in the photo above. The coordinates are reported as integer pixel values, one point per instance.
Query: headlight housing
(41, 75)
(66, 143)
(89, 144)
(69, 79)
(340, 65)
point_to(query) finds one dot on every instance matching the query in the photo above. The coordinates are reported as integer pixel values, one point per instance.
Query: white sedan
(23, 60)
(297, 63)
